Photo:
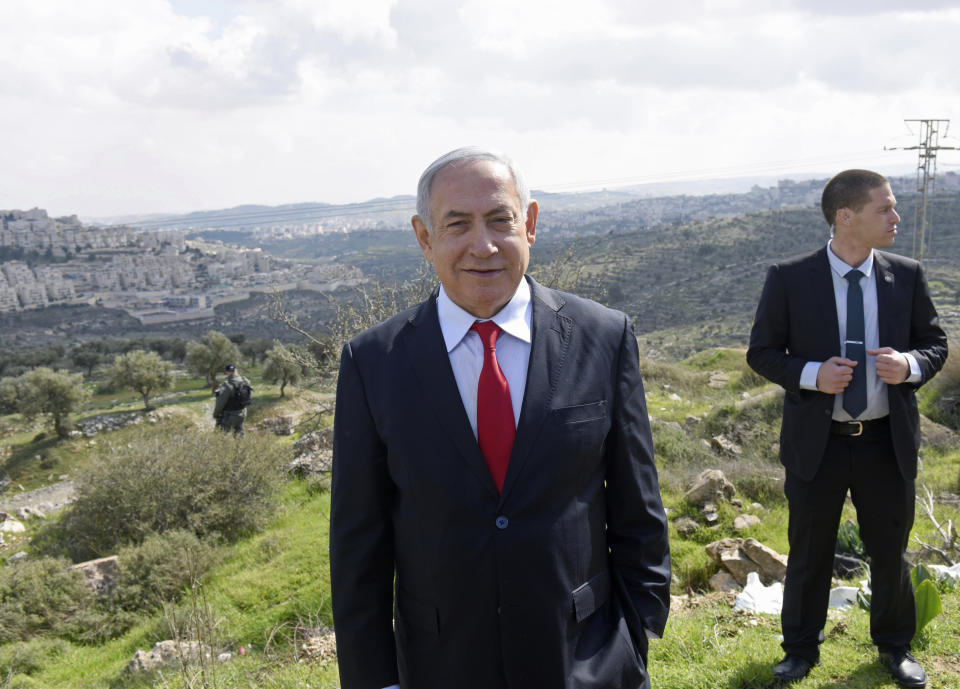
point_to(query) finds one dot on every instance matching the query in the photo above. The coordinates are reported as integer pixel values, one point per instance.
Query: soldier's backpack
(241, 396)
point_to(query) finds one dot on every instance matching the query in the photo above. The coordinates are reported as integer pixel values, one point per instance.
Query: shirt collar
(841, 268)
(515, 318)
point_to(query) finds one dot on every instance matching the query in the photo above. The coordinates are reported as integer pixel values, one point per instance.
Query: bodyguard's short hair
(229, 367)
(849, 189)
(462, 155)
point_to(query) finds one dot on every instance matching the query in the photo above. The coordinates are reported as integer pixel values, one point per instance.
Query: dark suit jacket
(796, 322)
(547, 585)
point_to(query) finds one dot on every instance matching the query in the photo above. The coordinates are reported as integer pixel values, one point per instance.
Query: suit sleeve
(636, 523)
(767, 353)
(361, 540)
(928, 342)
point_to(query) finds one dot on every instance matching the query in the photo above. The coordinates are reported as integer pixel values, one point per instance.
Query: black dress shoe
(906, 671)
(792, 668)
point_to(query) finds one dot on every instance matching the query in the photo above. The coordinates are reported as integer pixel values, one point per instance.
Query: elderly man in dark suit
(850, 333)
(496, 518)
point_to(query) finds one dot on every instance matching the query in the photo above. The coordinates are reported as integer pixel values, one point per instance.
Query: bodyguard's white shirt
(466, 351)
(877, 403)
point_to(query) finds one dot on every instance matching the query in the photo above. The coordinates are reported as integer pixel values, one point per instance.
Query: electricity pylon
(928, 146)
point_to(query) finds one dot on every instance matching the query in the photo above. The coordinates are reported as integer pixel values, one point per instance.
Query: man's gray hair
(461, 155)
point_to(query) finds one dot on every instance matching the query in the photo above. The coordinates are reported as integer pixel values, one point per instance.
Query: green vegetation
(44, 391)
(214, 544)
(282, 366)
(142, 371)
(208, 356)
(211, 544)
(174, 478)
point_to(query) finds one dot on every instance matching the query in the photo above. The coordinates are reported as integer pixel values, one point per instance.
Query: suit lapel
(821, 285)
(885, 296)
(551, 335)
(427, 353)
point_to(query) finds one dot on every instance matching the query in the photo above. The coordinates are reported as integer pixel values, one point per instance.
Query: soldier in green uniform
(233, 396)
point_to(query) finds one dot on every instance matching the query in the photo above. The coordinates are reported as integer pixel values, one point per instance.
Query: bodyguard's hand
(835, 374)
(892, 366)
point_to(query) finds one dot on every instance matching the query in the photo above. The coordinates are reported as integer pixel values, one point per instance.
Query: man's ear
(424, 237)
(531, 225)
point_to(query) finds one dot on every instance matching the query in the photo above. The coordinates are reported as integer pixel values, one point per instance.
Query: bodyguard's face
(480, 243)
(875, 225)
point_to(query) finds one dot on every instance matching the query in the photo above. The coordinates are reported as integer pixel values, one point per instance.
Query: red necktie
(495, 425)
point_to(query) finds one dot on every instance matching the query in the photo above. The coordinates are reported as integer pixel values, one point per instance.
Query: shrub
(176, 478)
(160, 568)
(149, 575)
(40, 596)
(679, 378)
(944, 407)
(26, 657)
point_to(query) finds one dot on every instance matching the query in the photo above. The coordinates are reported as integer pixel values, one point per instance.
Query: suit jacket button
(502, 522)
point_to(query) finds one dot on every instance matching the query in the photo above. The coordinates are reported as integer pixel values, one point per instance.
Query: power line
(928, 146)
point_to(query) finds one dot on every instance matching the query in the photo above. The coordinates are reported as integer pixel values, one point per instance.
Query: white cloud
(109, 106)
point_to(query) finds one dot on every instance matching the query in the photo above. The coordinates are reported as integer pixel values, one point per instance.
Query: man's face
(875, 225)
(480, 242)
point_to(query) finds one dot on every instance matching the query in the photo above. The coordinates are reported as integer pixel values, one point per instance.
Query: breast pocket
(581, 413)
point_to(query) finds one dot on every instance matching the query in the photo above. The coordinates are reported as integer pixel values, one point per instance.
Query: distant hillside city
(155, 275)
(180, 267)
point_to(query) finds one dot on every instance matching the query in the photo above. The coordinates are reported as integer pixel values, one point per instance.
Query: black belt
(861, 429)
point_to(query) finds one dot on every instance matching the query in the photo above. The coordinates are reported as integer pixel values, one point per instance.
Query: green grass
(709, 645)
(269, 585)
(266, 586)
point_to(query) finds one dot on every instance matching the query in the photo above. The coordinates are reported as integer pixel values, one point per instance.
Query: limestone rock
(100, 575)
(709, 512)
(280, 425)
(686, 526)
(718, 380)
(10, 525)
(711, 484)
(28, 512)
(304, 466)
(165, 654)
(773, 565)
(724, 445)
(308, 444)
(723, 581)
(742, 556)
(745, 521)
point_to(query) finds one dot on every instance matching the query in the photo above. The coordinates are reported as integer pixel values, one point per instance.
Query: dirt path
(47, 499)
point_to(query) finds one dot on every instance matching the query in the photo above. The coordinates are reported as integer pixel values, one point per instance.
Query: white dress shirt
(877, 403)
(466, 351)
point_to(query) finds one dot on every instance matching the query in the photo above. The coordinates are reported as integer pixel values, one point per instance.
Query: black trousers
(867, 467)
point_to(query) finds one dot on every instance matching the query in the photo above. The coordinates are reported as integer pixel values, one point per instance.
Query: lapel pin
(888, 278)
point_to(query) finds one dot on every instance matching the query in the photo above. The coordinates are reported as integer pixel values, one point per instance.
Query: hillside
(687, 285)
(268, 592)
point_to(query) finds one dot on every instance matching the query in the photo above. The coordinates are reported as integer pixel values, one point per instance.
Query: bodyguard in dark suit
(850, 333)
(496, 517)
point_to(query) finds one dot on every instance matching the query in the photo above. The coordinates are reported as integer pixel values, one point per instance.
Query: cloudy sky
(137, 106)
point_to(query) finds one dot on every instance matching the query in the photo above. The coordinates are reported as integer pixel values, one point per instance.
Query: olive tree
(45, 391)
(142, 371)
(282, 365)
(208, 356)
